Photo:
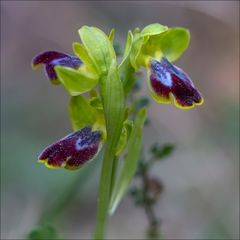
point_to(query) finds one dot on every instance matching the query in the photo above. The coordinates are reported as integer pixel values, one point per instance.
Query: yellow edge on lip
(34, 67)
(188, 107)
(45, 162)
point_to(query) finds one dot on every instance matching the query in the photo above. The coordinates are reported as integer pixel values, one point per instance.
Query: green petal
(99, 48)
(125, 68)
(130, 161)
(136, 50)
(81, 113)
(144, 47)
(76, 81)
(111, 35)
(127, 49)
(174, 42)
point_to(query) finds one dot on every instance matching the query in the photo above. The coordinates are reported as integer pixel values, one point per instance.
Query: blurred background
(201, 179)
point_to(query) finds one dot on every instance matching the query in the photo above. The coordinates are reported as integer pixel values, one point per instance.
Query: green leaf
(124, 137)
(111, 91)
(76, 81)
(81, 113)
(160, 152)
(130, 161)
(128, 125)
(43, 232)
(174, 42)
(99, 48)
(125, 134)
(153, 29)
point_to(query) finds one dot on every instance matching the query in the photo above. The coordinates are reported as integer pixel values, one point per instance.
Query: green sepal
(82, 53)
(78, 81)
(99, 48)
(153, 29)
(81, 113)
(129, 166)
(174, 42)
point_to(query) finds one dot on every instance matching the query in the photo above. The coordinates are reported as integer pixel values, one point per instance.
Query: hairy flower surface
(51, 59)
(72, 151)
(167, 80)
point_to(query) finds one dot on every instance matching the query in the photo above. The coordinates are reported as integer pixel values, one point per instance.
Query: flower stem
(104, 192)
(112, 95)
(114, 174)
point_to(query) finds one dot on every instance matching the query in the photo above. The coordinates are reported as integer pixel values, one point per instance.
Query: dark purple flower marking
(52, 59)
(73, 150)
(167, 79)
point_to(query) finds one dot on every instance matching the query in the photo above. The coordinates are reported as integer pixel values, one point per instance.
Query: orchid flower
(72, 151)
(102, 116)
(53, 58)
(167, 80)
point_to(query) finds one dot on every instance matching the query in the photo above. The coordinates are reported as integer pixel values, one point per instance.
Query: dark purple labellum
(52, 59)
(167, 79)
(72, 151)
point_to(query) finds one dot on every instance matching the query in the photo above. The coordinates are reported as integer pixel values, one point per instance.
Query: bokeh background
(201, 179)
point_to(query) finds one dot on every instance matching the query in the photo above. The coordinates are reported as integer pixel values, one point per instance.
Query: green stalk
(112, 94)
(104, 192)
(114, 175)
